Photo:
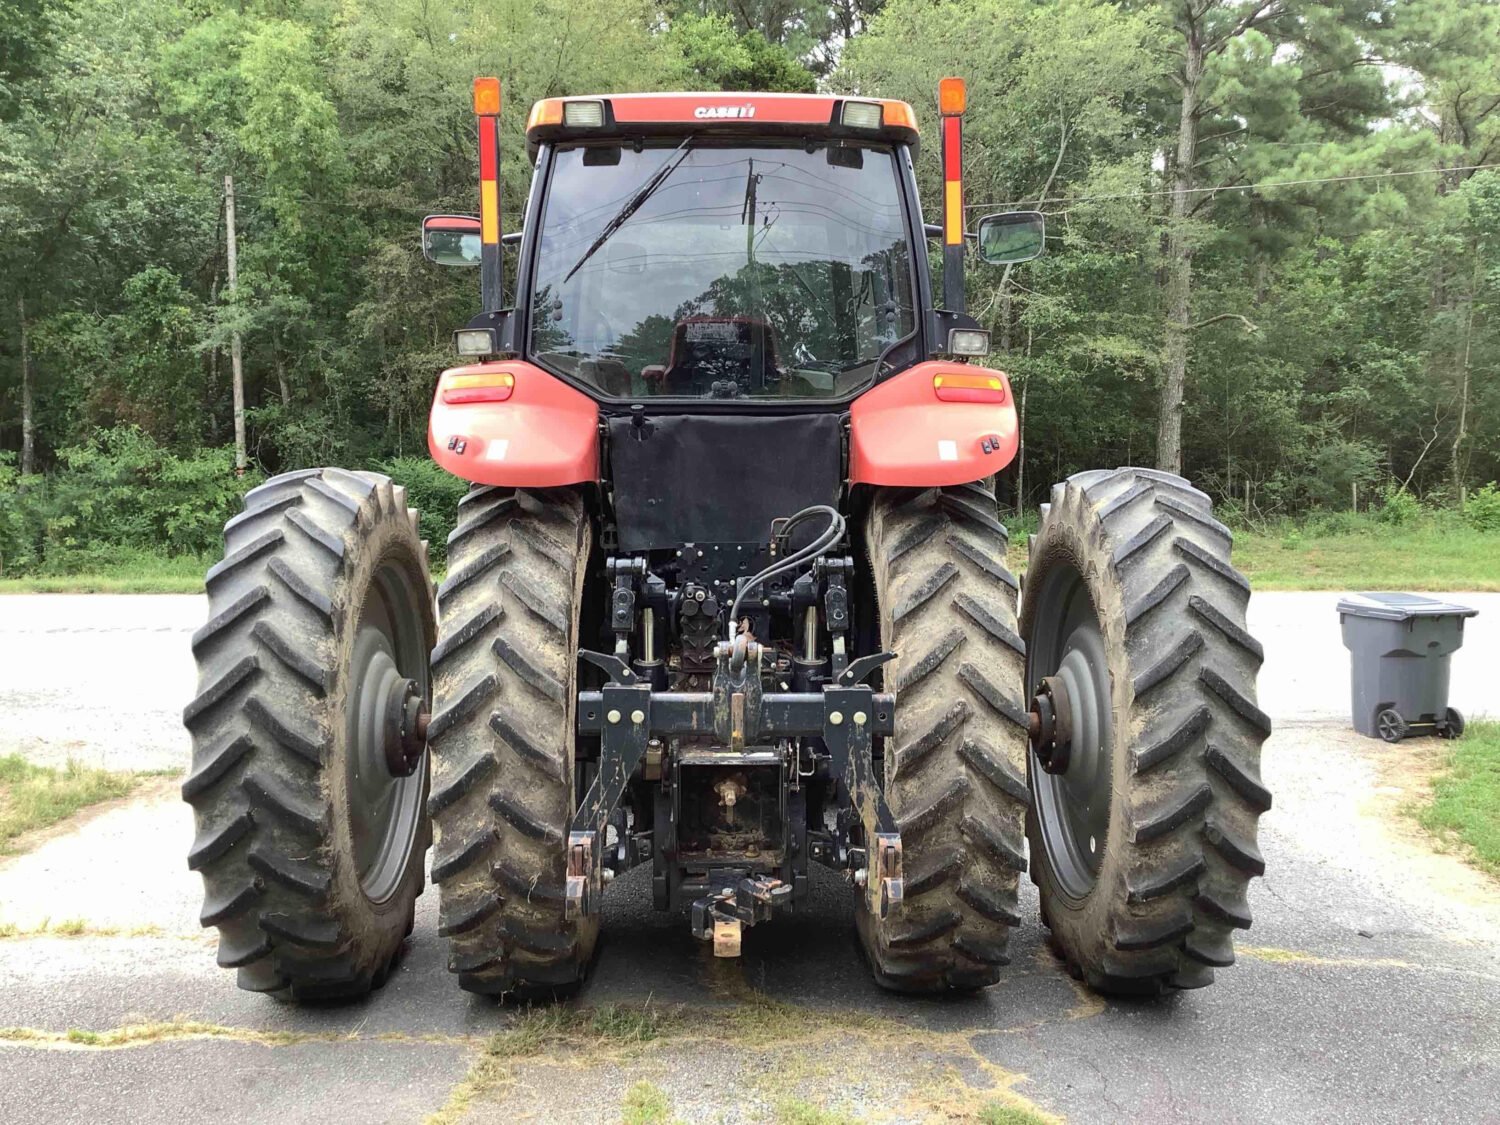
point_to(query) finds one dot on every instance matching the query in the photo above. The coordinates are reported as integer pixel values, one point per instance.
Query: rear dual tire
(1144, 846)
(955, 768)
(502, 738)
(311, 852)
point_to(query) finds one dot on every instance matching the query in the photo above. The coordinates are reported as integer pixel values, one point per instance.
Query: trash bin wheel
(1452, 725)
(1391, 726)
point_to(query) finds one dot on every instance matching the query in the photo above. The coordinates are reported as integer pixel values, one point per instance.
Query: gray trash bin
(1399, 646)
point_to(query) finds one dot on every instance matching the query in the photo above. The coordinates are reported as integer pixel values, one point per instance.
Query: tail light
(953, 386)
(479, 386)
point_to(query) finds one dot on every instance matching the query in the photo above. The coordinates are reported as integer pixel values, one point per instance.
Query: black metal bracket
(622, 716)
(626, 713)
(851, 715)
(718, 917)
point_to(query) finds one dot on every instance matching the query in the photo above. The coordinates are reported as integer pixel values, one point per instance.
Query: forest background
(1273, 255)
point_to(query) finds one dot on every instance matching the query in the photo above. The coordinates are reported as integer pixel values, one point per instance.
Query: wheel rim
(1073, 807)
(385, 811)
(1390, 725)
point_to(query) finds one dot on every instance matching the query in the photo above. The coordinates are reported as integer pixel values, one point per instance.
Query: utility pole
(28, 405)
(236, 358)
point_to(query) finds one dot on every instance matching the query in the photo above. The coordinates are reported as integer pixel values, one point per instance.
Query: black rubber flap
(1400, 607)
(719, 478)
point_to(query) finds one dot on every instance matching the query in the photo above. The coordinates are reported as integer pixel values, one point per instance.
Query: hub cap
(1071, 781)
(389, 658)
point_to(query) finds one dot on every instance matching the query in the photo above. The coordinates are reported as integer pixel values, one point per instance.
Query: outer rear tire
(304, 909)
(1182, 750)
(505, 677)
(955, 769)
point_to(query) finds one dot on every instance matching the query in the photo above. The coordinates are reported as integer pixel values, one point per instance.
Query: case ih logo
(717, 111)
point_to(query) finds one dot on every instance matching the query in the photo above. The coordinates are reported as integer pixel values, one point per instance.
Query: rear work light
(588, 115)
(862, 115)
(479, 386)
(956, 386)
(969, 341)
(475, 341)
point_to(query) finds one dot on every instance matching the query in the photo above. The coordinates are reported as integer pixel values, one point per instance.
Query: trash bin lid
(1400, 607)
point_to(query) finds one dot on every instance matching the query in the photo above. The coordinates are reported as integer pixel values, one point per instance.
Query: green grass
(1343, 551)
(1466, 796)
(646, 1104)
(134, 574)
(799, 1111)
(996, 1113)
(33, 797)
(1359, 553)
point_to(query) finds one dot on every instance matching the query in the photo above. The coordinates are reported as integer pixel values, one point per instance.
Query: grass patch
(646, 1104)
(800, 1111)
(161, 1031)
(1347, 551)
(135, 573)
(996, 1113)
(1465, 805)
(772, 1031)
(32, 797)
(1340, 551)
(78, 928)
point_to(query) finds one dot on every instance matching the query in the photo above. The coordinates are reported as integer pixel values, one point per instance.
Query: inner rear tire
(505, 672)
(1144, 846)
(955, 768)
(311, 852)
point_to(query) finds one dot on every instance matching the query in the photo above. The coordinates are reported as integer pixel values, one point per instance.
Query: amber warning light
(487, 97)
(953, 97)
(964, 387)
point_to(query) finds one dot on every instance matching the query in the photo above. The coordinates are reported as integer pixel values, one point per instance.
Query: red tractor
(728, 598)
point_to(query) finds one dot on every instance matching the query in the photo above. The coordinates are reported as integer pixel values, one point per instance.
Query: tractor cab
(765, 247)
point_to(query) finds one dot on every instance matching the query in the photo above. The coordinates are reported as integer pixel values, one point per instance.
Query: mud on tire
(313, 555)
(505, 678)
(1183, 758)
(955, 768)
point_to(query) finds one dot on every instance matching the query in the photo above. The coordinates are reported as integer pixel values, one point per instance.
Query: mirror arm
(933, 230)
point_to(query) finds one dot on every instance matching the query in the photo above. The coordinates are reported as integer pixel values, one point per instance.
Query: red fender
(543, 435)
(902, 433)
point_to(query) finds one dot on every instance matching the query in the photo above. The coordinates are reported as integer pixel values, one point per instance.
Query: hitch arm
(625, 711)
(850, 715)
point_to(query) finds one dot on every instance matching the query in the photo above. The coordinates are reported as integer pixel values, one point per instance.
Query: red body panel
(545, 435)
(900, 433)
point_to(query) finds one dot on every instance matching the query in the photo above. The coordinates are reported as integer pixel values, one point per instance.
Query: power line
(1262, 185)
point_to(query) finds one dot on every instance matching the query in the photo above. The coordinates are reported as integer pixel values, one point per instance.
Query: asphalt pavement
(1367, 990)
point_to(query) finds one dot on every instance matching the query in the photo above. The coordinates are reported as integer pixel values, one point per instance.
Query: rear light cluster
(477, 386)
(560, 111)
(955, 386)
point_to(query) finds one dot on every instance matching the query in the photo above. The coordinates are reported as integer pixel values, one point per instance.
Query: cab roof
(721, 113)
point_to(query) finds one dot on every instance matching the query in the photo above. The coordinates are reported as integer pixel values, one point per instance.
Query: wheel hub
(386, 733)
(1071, 730)
(1051, 725)
(405, 727)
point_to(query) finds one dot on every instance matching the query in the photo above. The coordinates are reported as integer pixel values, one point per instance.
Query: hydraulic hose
(829, 536)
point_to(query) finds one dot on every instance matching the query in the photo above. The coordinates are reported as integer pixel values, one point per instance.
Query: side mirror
(451, 240)
(1015, 236)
